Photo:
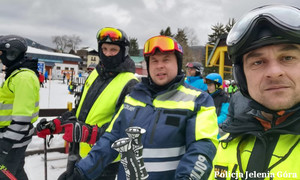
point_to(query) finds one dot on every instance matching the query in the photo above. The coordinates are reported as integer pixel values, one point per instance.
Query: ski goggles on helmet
(189, 65)
(283, 18)
(109, 35)
(163, 43)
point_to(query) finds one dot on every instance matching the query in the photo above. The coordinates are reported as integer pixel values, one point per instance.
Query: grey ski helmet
(265, 25)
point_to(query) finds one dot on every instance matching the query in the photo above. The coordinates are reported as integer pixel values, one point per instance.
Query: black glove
(5, 147)
(76, 175)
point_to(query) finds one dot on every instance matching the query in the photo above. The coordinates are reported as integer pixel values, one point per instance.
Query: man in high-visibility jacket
(180, 122)
(263, 139)
(19, 104)
(103, 93)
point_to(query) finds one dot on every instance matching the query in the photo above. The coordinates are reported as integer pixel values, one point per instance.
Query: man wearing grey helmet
(263, 140)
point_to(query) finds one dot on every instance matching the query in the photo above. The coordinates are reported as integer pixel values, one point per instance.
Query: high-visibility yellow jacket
(284, 162)
(104, 105)
(19, 106)
(259, 148)
(181, 133)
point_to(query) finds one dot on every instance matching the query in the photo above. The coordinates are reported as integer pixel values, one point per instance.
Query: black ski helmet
(12, 49)
(113, 36)
(265, 25)
(197, 65)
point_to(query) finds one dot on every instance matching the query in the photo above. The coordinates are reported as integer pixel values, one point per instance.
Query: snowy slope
(55, 95)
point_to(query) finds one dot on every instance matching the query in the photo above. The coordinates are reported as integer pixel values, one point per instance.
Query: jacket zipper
(133, 118)
(154, 126)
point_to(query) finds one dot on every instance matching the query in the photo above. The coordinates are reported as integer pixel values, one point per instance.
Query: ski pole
(44, 124)
(45, 157)
(74, 151)
(6, 172)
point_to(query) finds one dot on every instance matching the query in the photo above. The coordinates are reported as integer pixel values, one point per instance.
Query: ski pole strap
(128, 158)
(6, 172)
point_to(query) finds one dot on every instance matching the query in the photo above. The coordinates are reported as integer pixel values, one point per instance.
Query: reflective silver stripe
(161, 166)
(37, 104)
(163, 152)
(35, 115)
(18, 145)
(31, 132)
(5, 106)
(22, 118)
(12, 135)
(5, 118)
(176, 95)
(18, 127)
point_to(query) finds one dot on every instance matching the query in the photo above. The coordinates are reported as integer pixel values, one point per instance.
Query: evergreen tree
(166, 32)
(134, 47)
(218, 30)
(229, 25)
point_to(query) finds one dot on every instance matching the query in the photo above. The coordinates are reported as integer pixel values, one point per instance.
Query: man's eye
(287, 58)
(257, 63)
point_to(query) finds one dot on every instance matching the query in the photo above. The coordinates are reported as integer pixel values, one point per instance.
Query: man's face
(110, 49)
(191, 71)
(163, 67)
(273, 75)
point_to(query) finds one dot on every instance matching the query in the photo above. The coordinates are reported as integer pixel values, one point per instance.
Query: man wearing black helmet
(180, 123)
(103, 93)
(194, 75)
(263, 140)
(19, 104)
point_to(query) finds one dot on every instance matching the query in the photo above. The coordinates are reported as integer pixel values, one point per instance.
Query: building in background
(55, 63)
(140, 65)
(89, 58)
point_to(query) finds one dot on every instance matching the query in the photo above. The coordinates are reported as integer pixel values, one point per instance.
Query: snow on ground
(54, 95)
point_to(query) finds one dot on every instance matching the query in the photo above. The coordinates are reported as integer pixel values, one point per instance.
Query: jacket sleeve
(223, 114)
(101, 154)
(201, 141)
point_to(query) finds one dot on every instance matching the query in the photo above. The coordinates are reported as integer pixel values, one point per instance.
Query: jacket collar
(146, 91)
(249, 122)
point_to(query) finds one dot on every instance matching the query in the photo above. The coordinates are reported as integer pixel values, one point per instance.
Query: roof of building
(49, 56)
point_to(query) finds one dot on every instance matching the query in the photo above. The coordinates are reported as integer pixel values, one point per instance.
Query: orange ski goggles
(163, 43)
(109, 33)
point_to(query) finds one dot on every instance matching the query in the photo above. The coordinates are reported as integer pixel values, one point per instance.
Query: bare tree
(191, 36)
(64, 42)
(74, 41)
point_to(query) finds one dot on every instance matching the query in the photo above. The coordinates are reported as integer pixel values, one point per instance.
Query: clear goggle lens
(285, 16)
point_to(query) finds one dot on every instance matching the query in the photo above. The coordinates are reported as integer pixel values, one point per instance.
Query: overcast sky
(39, 20)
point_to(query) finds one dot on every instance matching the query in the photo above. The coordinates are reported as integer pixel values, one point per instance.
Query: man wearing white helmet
(263, 142)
